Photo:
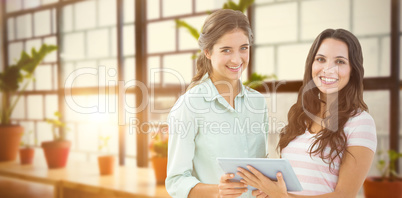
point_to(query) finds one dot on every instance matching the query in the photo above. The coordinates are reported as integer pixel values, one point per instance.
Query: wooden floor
(15, 188)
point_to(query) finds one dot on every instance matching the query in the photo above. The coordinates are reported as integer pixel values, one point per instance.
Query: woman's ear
(207, 54)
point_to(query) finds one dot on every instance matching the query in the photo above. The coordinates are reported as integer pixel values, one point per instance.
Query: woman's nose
(330, 67)
(236, 58)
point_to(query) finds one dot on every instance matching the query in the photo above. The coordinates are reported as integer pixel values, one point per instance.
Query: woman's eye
(226, 50)
(320, 59)
(340, 62)
(244, 48)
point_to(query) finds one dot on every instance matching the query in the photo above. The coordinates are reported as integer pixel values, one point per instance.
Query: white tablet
(268, 167)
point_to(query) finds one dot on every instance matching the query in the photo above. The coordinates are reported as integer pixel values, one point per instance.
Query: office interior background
(104, 45)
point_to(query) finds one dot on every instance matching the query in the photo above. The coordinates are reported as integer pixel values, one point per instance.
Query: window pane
(24, 26)
(265, 60)
(84, 15)
(73, 46)
(107, 12)
(43, 77)
(319, 15)
(129, 69)
(10, 29)
(67, 18)
(154, 69)
(129, 11)
(13, 5)
(42, 23)
(208, 5)
(153, 11)
(31, 4)
(51, 107)
(128, 40)
(158, 43)
(19, 110)
(281, 26)
(98, 43)
(180, 69)
(35, 107)
(14, 52)
(44, 2)
(291, 59)
(176, 7)
(371, 17)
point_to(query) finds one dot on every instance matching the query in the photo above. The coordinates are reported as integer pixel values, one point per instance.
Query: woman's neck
(227, 89)
(328, 99)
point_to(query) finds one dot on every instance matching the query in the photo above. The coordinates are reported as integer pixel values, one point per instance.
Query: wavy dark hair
(349, 103)
(215, 26)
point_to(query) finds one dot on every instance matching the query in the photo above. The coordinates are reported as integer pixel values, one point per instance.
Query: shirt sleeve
(362, 132)
(181, 147)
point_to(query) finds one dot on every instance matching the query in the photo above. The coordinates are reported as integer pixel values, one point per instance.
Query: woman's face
(229, 56)
(331, 67)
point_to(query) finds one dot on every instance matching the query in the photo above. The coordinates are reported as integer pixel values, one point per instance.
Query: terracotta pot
(106, 164)
(374, 188)
(26, 155)
(160, 165)
(56, 153)
(10, 137)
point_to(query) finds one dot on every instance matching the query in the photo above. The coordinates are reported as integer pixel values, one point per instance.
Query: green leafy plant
(104, 143)
(57, 127)
(159, 142)
(387, 164)
(27, 138)
(19, 74)
(256, 80)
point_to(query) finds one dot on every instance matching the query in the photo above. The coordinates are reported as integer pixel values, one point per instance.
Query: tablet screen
(268, 167)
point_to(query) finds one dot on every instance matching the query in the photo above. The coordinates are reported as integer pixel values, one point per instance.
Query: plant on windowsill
(256, 80)
(105, 162)
(389, 184)
(14, 80)
(159, 151)
(57, 150)
(26, 151)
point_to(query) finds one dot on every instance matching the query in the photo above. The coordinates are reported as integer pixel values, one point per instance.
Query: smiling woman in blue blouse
(217, 116)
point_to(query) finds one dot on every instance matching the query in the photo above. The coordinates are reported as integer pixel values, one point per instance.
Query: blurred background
(107, 47)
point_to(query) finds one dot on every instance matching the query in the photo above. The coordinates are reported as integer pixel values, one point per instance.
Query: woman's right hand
(228, 188)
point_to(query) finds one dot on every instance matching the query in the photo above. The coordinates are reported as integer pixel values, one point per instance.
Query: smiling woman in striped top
(330, 140)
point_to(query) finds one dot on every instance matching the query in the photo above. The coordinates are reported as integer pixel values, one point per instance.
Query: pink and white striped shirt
(313, 173)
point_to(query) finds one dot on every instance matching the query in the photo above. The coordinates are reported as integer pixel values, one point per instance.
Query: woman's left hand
(256, 179)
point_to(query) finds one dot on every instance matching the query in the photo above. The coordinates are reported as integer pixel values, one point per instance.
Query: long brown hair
(349, 103)
(215, 26)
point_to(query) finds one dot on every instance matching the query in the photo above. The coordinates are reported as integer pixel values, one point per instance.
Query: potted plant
(105, 162)
(159, 150)
(26, 151)
(13, 82)
(389, 184)
(57, 150)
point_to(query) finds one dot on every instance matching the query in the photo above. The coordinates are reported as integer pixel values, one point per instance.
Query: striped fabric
(312, 172)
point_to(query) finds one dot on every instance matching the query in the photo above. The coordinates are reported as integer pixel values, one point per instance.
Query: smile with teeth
(237, 67)
(328, 80)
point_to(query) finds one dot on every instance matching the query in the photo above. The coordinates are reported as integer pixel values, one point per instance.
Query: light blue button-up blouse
(203, 126)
